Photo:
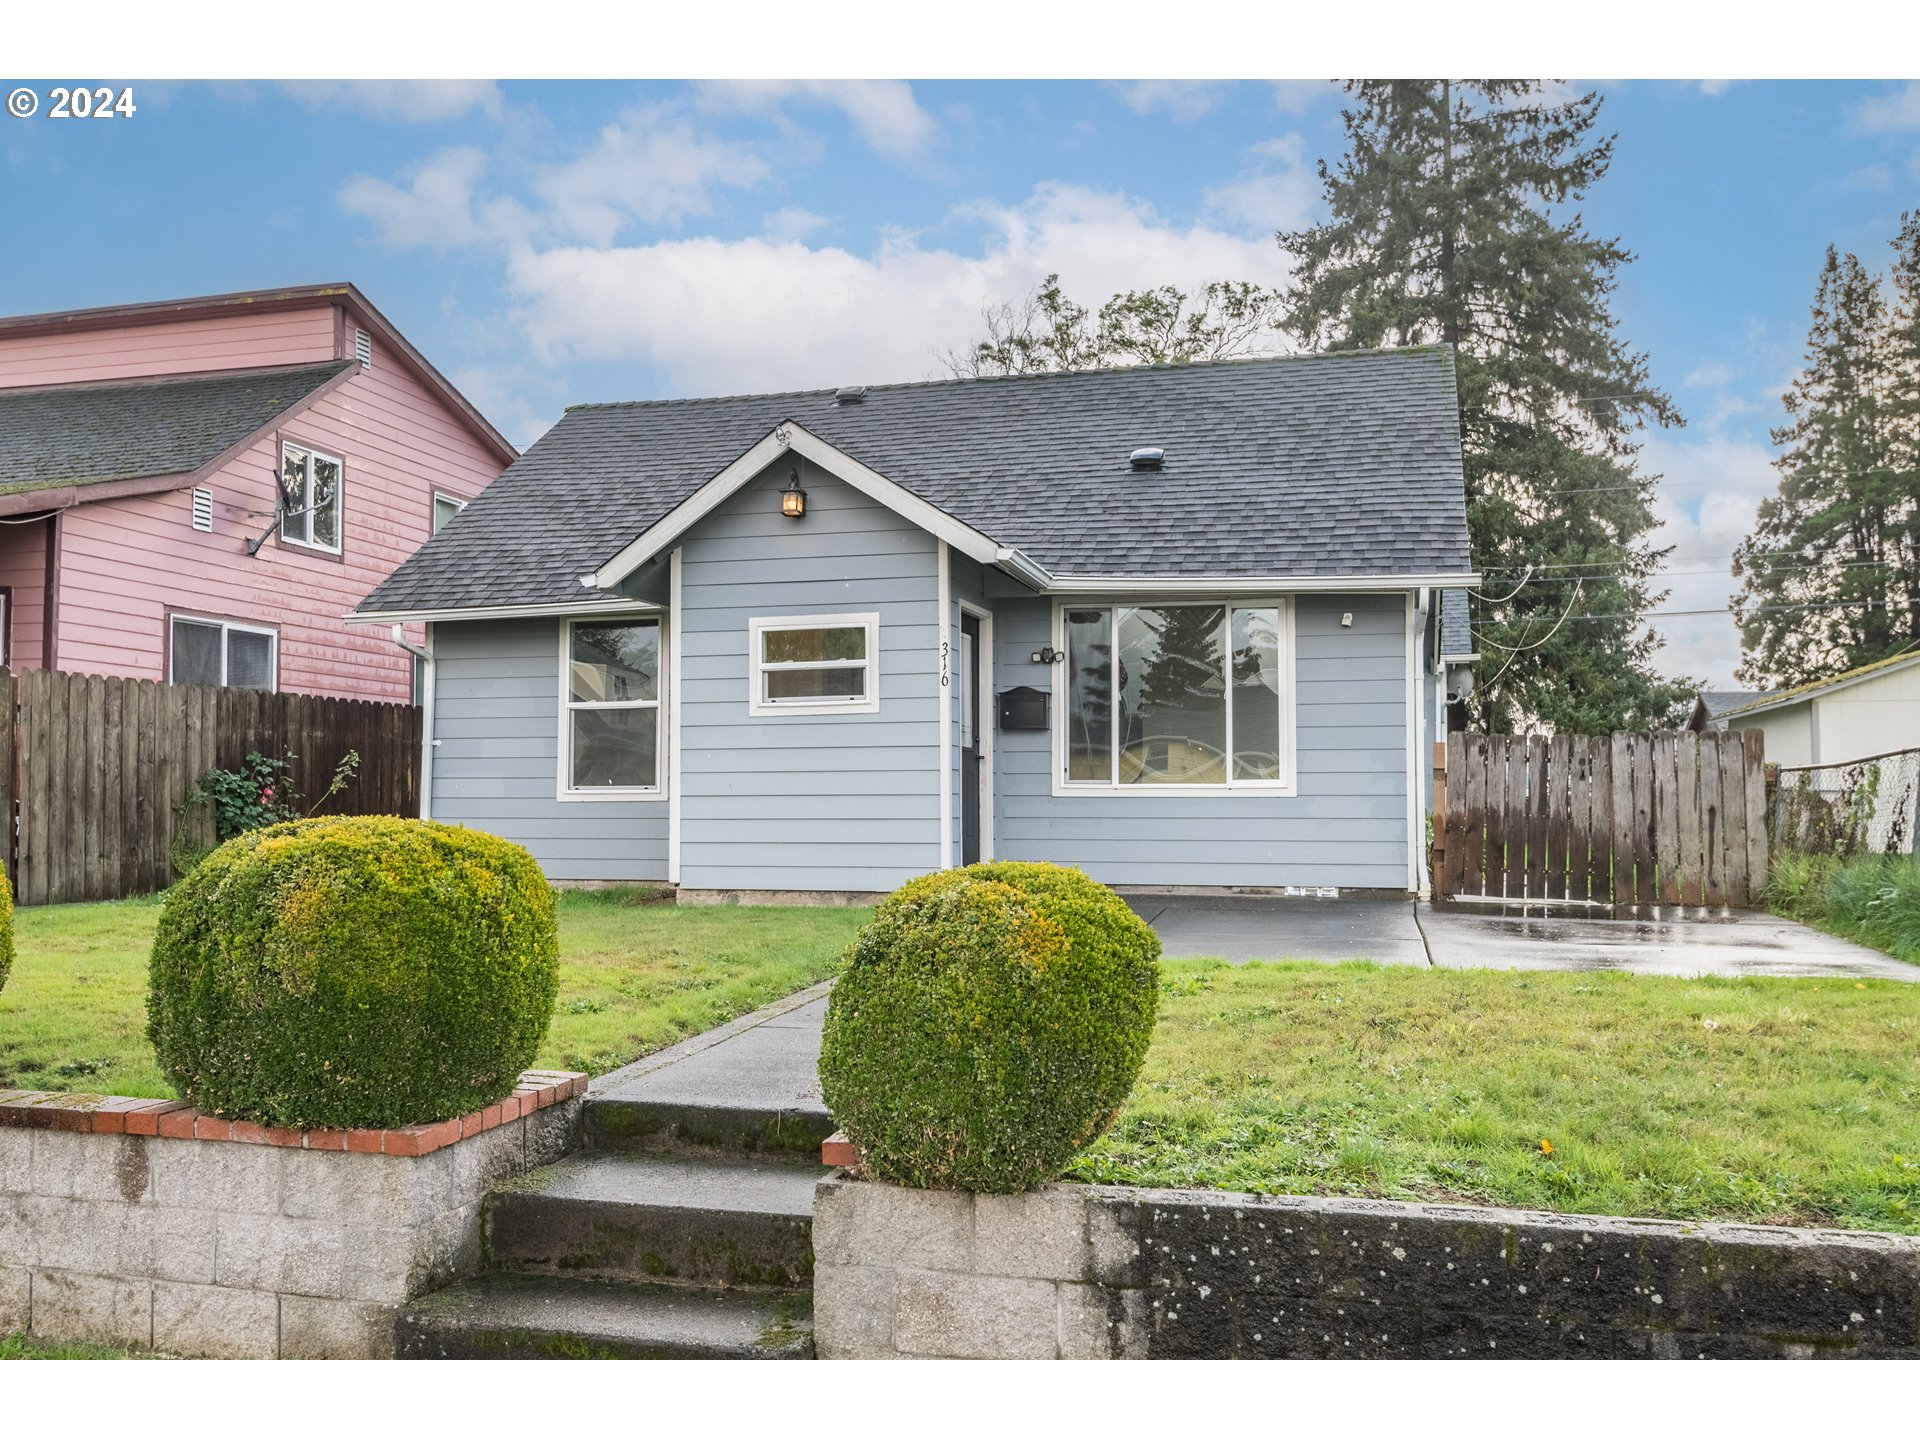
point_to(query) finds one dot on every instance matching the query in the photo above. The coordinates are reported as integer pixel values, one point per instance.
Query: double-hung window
(1176, 696)
(610, 707)
(310, 498)
(815, 664)
(220, 652)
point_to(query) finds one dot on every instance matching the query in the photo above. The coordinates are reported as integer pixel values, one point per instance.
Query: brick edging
(177, 1120)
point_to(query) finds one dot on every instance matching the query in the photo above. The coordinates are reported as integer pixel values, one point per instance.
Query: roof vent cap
(1147, 457)
(849, 394)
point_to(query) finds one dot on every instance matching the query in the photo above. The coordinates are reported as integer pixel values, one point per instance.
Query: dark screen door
(969, 740)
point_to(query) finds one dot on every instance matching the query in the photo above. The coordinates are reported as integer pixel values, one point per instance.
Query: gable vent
(363, 347)
(202, 508)
(1149, 457)
(849, 394)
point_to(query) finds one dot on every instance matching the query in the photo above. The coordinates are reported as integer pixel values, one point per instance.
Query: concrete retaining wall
(226, 1248)
(1075, 1271)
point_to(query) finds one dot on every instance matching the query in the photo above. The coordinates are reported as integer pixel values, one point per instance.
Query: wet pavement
(1239, 928)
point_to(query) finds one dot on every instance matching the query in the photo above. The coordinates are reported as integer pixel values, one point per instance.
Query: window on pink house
(220, 652)
(310, 498)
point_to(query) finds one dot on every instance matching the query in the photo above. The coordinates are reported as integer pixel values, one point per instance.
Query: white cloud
(1706, 507)
(1711, 376)
(1716, 87)
(648, 166)
(791, 223)
(1294, 97)
(727, 316)
(418, 101)
(1896, 110)
(434, 209)
(1868, 177)
(885, 113)
(1180, 99)
(1278, 191)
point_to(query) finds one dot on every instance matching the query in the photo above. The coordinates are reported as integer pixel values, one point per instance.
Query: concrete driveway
(1396, 932)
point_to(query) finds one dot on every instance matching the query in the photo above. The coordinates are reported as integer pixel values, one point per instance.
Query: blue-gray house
(1179, 626)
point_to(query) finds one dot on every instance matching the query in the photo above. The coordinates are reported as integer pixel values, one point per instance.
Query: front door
(970, 740)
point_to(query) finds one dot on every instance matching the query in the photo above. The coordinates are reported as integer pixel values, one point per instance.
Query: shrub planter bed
(1083, 1271)
(147, 1224)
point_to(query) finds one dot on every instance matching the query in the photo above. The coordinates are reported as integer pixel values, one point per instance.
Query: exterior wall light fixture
(793, 500)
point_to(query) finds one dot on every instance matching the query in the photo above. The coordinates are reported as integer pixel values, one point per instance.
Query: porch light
(793, 500)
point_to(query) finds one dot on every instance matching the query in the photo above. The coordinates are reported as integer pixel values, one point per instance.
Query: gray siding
(1347, 826)
(496, 768)
(807, 802)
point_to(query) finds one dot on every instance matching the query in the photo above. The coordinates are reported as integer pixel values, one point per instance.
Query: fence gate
(1627, 821)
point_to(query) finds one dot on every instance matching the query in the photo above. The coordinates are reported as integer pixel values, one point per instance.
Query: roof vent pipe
(849, 394)
(1149, 457)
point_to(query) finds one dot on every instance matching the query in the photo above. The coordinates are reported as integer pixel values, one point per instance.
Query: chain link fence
(1864, 807)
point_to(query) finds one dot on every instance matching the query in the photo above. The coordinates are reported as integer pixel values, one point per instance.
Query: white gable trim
(789, 437)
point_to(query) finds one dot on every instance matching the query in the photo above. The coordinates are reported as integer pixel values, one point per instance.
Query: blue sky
(558, 241)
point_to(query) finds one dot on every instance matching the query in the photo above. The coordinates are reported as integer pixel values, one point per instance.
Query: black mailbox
(1023, 708)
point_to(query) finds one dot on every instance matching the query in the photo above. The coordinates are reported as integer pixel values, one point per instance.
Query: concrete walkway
(769, 1061)
(1239, 928)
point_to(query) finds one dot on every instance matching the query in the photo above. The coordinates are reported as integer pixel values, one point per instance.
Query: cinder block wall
(1072, 1271)
(223, 1248)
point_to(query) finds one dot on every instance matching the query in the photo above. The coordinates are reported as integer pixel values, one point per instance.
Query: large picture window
(611, 707)
(310, 498)
(1176, 695)
(814, 664)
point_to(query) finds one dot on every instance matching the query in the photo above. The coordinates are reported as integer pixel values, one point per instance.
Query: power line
(1722, 610)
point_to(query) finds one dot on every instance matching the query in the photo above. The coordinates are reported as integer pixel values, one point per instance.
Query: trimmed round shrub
(6, 929)
(369, 971)
(989, 1025)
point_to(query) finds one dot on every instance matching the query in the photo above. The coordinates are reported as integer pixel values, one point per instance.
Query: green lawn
(634, 976)
(1767, 1100)
(18, 1347)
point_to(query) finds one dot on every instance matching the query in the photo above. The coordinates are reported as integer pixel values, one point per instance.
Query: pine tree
(1450, 223)
(1828, 576)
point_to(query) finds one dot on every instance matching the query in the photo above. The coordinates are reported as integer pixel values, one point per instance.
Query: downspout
(424, 653)
(1417, 606)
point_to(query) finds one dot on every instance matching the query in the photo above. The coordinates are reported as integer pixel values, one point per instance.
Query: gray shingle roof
(1717, 702)
(91, 434)
(1314, 465)
(1456, 623)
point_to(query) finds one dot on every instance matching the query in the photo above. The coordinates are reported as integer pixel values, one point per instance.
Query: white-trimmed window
(221, 652)
(1192, 697)
(445, 507)
(815, 664)
(310, 485)
(610, 707)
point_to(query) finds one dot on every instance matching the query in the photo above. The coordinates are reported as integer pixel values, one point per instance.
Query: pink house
(198, 490)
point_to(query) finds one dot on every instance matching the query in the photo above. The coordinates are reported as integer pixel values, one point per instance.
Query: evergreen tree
(1828, 576)
(1450, 223)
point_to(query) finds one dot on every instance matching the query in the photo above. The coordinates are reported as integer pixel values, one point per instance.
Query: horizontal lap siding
(1347, 826)
(832, 802)
(124, 564)
(23, 571)
(242, 340)
(496, 768)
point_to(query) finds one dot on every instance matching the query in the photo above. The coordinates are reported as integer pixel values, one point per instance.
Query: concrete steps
(503, 1316)
(723, 1222)
(685, 1228)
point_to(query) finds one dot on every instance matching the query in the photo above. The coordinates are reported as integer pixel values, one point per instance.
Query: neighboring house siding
(1789, 733)
(496, 766)
(23, 571)
(1870, 717)
(1346, 827)
(125, 564)
(806, 802)
(229, 342)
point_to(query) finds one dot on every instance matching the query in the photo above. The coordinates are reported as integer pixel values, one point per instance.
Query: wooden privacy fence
(92, 768)
(1628, 821)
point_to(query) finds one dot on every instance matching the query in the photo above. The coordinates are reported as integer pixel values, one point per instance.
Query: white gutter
(427, 742)
(1202, 584)
(619, 606)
